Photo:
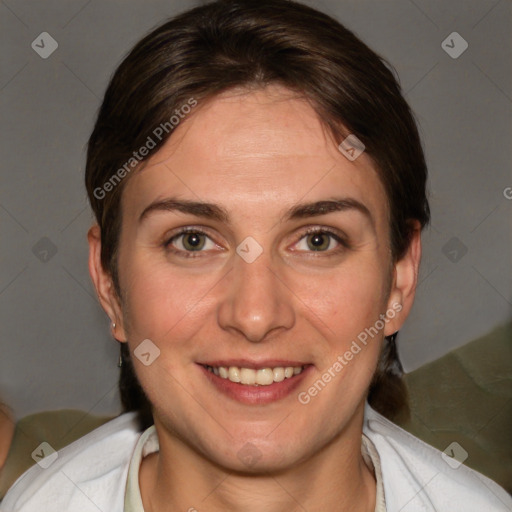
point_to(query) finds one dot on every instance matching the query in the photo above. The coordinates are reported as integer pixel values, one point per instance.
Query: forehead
(266, 148)
(238, 124)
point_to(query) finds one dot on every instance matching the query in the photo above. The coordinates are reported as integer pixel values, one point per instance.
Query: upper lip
(246, 363)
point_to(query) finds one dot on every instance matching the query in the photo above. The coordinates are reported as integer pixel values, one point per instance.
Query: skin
(257, 154)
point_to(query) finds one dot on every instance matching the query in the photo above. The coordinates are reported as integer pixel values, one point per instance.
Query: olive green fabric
(464, 397)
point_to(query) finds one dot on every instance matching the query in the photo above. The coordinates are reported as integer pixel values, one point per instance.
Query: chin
(255, 458)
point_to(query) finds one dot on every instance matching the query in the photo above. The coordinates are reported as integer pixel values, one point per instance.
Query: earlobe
(405, 280)
(103, 283)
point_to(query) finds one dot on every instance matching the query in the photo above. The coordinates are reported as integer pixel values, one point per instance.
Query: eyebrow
(216, 212)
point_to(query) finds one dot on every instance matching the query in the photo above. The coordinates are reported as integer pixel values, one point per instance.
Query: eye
(192, 240)
(322, 240)
(189, 240)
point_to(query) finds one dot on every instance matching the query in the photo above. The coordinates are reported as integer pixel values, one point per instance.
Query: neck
(334, 478)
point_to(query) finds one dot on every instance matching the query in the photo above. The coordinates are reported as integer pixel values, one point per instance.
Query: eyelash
(191, 254)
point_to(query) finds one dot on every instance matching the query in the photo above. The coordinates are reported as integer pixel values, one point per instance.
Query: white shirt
(90, 475)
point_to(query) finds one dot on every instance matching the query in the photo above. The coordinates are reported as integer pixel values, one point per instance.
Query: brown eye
(193, 241)
(189, 241)
(318, 241)
(322, 241)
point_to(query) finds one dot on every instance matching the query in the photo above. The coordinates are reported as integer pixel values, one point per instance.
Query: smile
(256, 383)
(255, 376)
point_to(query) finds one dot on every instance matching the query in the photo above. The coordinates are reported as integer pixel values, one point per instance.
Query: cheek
(349, 308)
(349, 299)
(164, 305)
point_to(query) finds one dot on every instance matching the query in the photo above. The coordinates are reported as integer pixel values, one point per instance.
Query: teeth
(265, 376)
(252, 377)
(278, 374)
(248, 376)
(234, 374)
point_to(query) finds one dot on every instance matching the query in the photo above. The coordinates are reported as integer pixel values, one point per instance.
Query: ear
(103, 283)
(405, 280)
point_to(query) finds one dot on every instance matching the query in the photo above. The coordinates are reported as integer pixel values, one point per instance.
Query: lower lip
(256, 394)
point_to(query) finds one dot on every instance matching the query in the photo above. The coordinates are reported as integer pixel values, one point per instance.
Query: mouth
(255, 376)
(255, 383)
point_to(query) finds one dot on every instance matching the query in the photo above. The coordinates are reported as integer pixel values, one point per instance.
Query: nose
(256, 299)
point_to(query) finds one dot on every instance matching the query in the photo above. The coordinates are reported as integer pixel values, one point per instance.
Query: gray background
(55, 346)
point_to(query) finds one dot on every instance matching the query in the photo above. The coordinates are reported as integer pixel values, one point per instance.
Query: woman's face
(253, 290)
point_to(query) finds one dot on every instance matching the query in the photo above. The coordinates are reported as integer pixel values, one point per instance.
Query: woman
(259, 189)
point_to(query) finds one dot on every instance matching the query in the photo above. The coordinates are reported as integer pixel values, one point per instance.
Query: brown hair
(251, 43)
